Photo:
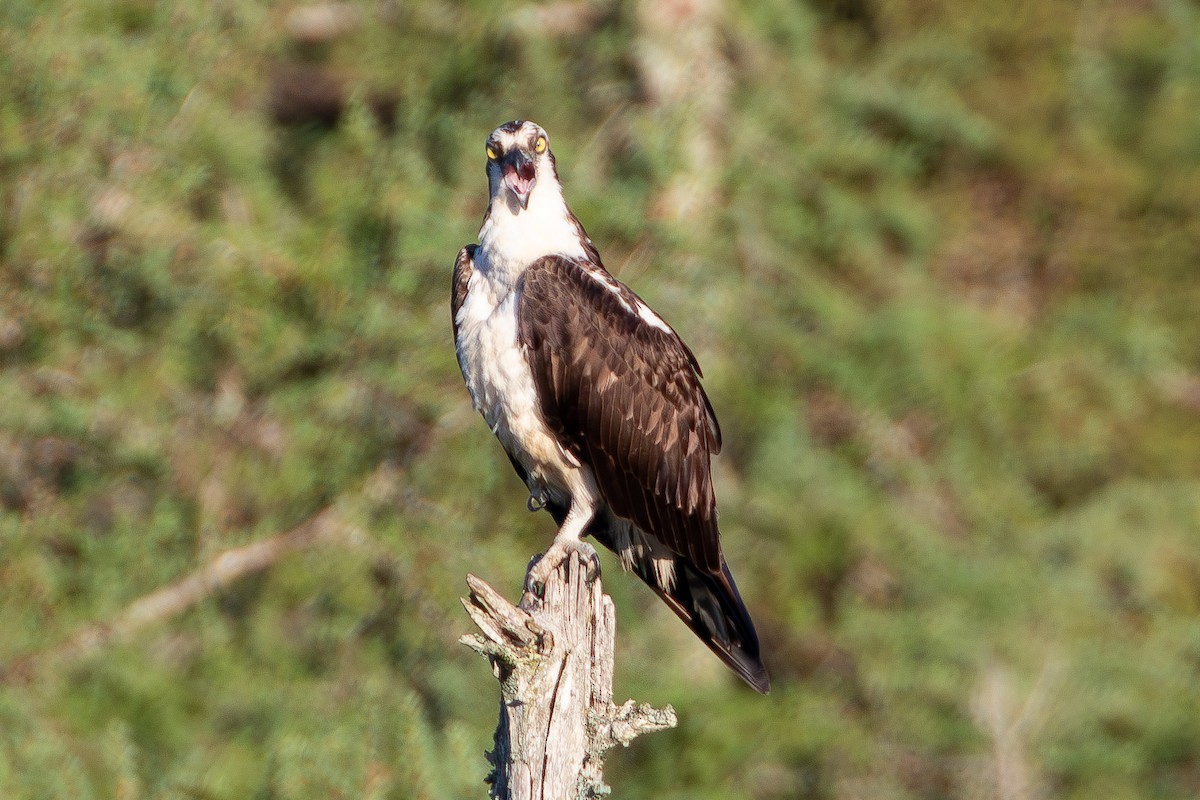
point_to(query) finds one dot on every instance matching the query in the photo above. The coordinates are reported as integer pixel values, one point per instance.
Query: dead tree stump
(553, 657)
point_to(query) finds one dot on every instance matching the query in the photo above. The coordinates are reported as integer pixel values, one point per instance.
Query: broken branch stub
(553, 656)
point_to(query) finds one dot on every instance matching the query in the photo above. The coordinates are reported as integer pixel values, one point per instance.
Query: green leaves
(942, 283)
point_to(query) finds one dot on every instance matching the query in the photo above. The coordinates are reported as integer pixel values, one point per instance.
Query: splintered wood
(554, 659)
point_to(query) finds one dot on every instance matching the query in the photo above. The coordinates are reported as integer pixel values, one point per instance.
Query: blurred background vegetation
(939, 260)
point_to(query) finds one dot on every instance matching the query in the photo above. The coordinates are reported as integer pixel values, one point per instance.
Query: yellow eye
(540, 144)
(492, 155)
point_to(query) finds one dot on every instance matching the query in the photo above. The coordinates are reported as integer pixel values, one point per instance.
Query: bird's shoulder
(565, 292)
(588, 330)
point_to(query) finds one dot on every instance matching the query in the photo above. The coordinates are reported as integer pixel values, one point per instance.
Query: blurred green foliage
(946, 302)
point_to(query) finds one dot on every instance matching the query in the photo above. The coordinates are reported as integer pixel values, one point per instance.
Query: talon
(593, 567)
(555, 557)
(536, 588)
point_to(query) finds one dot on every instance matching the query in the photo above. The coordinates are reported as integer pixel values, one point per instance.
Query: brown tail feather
(712, 607)
(708, 604)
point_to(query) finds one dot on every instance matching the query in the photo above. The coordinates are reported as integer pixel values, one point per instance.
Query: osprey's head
(518, 155)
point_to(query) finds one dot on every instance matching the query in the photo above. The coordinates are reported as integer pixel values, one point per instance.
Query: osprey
(596, 400)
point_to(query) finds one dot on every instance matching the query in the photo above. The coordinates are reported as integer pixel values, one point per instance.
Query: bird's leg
(567, 542)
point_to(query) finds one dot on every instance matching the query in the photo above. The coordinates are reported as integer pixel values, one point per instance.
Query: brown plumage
(626, 398)
(619, 392)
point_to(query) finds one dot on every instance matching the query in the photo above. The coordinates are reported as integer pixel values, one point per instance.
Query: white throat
(511, 241)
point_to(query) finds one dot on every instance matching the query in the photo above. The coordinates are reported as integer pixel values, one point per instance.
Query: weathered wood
(553, 657)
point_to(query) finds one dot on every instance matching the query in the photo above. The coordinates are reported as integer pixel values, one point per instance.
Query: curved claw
(555, 557)
(592, 561)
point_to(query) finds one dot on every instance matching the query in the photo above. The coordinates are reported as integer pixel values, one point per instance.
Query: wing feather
(609, 416)
(463, 267)
(624, 396)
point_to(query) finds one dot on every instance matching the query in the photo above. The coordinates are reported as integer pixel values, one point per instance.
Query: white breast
(501, 384)
(511, 242)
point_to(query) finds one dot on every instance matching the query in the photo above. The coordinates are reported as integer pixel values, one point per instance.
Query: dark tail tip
(709, 604)
(751, 671)
(712, 607)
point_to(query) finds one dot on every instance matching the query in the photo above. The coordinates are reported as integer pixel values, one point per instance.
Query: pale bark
(554, 659)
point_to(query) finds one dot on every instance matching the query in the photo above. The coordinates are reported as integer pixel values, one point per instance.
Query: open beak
(519, 175)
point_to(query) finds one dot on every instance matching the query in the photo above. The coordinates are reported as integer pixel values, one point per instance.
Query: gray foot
(561, 550)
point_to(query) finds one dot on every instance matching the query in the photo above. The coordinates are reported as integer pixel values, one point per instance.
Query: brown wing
(624, 396)
(462, 277)
(463, 267)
